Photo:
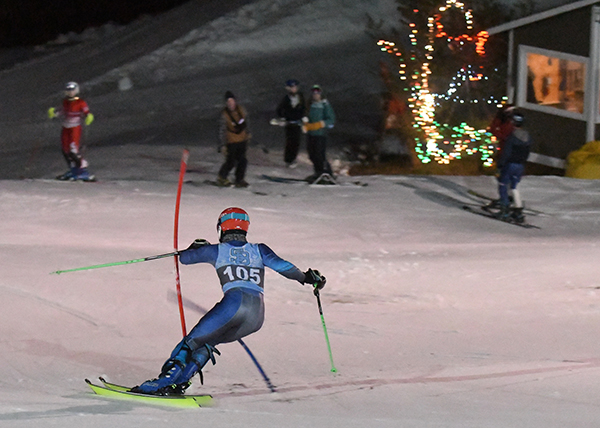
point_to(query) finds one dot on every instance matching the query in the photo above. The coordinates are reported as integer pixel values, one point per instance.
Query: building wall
(568, 32)
(555, 136)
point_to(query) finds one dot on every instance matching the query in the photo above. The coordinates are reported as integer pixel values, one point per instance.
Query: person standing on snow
(292, 109)
(233, 138)
(240, 266)
(320, 118)
(501, 127)
(511, 162)
(73, 111)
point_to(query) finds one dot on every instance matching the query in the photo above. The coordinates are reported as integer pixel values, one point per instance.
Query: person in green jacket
(320, 118)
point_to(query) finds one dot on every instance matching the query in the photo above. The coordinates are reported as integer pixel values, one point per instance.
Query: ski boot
(517, 215)
(68, 176)
(504, 213)
(223, 182)
(173, 380)
(84, 175)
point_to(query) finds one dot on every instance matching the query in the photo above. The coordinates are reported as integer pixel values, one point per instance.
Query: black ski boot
(517, 215)
(504, 213)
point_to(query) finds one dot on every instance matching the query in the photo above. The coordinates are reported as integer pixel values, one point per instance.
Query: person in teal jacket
(320, 118)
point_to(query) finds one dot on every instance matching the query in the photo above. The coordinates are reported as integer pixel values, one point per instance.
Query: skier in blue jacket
(511, 163)
(240, 266)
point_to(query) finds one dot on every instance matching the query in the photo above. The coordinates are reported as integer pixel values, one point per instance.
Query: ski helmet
(518, 119)
(292, 82)
(72, 86)
(233, 218)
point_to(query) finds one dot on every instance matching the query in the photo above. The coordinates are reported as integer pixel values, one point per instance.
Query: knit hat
(228, 95)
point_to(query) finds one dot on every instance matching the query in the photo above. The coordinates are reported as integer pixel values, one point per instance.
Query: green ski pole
(145, 259)
(316, 292)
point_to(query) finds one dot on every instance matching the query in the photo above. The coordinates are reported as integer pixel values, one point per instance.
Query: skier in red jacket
(72, 112)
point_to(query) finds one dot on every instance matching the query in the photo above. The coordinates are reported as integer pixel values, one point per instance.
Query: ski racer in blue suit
(240, 266)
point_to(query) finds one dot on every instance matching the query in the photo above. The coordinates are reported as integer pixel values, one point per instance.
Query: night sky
(31, 22)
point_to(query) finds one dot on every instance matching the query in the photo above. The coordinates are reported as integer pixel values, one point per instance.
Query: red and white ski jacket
(73, 111)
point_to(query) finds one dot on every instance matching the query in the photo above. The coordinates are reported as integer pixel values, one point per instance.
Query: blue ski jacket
(241, 264)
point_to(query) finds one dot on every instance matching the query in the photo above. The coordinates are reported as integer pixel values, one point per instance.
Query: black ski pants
(316, 145)
(293, 133)
(235, 156)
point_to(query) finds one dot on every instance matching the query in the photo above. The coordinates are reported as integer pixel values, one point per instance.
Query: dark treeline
(30, 22)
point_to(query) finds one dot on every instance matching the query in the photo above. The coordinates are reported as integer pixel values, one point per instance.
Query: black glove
(197, 244)
(314, 278)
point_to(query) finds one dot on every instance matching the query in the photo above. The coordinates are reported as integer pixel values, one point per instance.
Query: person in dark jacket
(291, 110)
(511, 163)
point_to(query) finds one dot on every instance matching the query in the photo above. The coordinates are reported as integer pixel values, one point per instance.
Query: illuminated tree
(451, 75)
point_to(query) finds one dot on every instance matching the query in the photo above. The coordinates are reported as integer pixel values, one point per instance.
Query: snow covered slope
(436, 317)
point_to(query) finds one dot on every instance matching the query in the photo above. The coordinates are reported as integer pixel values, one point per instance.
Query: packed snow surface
(437, 317)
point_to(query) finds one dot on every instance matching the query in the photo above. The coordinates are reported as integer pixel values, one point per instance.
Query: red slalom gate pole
(184, 160)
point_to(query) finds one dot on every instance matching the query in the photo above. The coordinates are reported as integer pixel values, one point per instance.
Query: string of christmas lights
(441, 142)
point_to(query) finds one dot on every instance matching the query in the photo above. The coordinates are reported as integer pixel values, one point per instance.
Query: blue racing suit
(240, 267)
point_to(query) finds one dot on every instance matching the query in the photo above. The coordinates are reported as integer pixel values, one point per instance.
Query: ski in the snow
(278, 179)
(528, 211)
(482, 212)
(322, 180)
(119, 392)
(215, 184)
(90, 179)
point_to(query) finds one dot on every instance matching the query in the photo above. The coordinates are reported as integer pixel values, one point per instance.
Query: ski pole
(260, 369)
(126, 262)
(183, 167)
(316, 292)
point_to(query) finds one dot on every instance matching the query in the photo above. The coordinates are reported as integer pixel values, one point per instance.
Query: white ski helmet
(72, 86)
